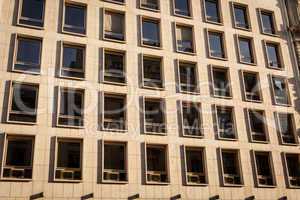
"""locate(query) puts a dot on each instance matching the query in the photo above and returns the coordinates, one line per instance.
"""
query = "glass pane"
(216, 45)
(230, 164)
(212, 11)
(69, 155)
(71, 103)
(273, 57)
(151, 33)
(75, 18)
(182, 7)
(24, 98)
(241, 19)
(156, 159)
(267, 23)
(190, 115)
(151, 4)
(245, 50)
(114, 108)
(280, 90)
(153, 112)
(194, 161)
(257, 121)
(221, 84)
(114, 156)
(184, 36)
(152, 72)
(73, 57)
(33, 9)
(28, 51)
(19, 153)
(293, 164)
(263, 164)
(250, 82)
(225, 123)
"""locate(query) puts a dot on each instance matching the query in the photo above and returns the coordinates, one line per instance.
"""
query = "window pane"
(156, 159)
(32, 12)
(114, 25)
(154, 116)
(286, 127)
(221, 83)
(69, 155)
(245, 47)
(19, 153)
(114, 156)
(151, 4)
(191, 119)
(230, 163)
(212, 11)
(280, 89)
(151, 33)
(273, 56)
(225, 123)
(114, 67)
(114, 112)
(184, 36)
(28, 55)
(188, 80)
(194, 161)
(257, 125)
(73, 57)
(263, 164)
(75, 18)
(251, 86)
(241, 19)
(267, 23)
(152, 72)
(182, 7)
(24, 98)
(71, 103)
(293, 164)
(216, 45)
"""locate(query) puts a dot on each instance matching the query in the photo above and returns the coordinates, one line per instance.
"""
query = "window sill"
(113, 182)
(152, 47)
(266, 186)
(157, 183)
(243, 29)
(155, 133)
(114, 83)
(149, 9)
(25, 72)
(183, 16)
(187, 92)
(193, 136)
(114, 130)
(260, 142)
(213, 22)
(187, 53)
(275, 68)
(253, 101)
(16, 180)
(196, 184)
(284, 105)
(30, 26)
(290, 144)
(67, 181)
(71, 78)
(153, 88)
(247, 63)
(69, 126)
(21, 123)
(218, 58)
(228, 139)
(270, 34)
(115, 2)
(73, 33)
(222, 97)
(233, 185)
(114, 40)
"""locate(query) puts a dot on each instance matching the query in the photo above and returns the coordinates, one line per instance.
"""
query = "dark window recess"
(114, 67)
(246, 50)
(152, 68)
(71, 108)
(267, 21)
(114, 162)
(185, 39)
(216, 45)
(75, 19)
(257, 125)
(273, 55)
(19, 156)
(24, 101)
(114, 112)
(191, 119)
(212, 11)
(28, 56)
(195, 168)
(182, 7)
(156, 164)
(221, 82)
(73, 62)
(188, 77)
(280, 91)
(286, 128)
(293, 168)
(150, 4)
(231, 168)
(264, 169)
(154, 116)
(241, 17)
(69, 158)
(252, 87)
(114, 26)
(226, 126)
(150, 32)
(32, 13)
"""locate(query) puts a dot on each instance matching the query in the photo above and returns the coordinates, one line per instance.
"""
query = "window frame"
(260, 12)
(226, 107)
(114, 52)
(266, 130)
(201, 150)
(273, 175)
(221, 23)
(197, 90)
(167, 161)
(177, 24)
(200, 120)
(238, 157)
(114, 143)
(118, 96)
(10, 102)
(158, 21)
(243, 72)
(279, 55)
(150, 9)
(75, 4)
(227, 70)
(223, 40)
(287, 91)
(81, 168)
(190, 16)
(288, 177)
(82, 117)
(116, 2)
(279, 131)
(162, 102)
(162, 69)
(252, 49)
(14, 137)
(120, 12)
(246, 7)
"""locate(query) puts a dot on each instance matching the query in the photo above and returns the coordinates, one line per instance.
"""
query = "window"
(182, 8)
(225, 123)
(24, 61)
(252, 91)
(267, 20)
(114, 67)
(68, 160)
(257, 125)
(195, 167)
(273, 55)
(216, 45)
(188, 77)
(231, 167)
(23, 103)
(185, 39)
(292, 161)
(114, 25)
(73, 61)
(116, 1)
(191, 119)
(150, 32)
(246, 50)
(154, 116)
(221, 82)
(70, 108)
(212, 11)
(18, 158)
(280, 91)
(264, 169)
(150, 4)
(75, 18)
(286, 128)
(241, 16)
(114, 112)
(156, 164)
(152, 72)
(115, 162)
(31, 13)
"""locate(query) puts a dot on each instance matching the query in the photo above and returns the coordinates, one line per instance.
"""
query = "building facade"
(148, 99)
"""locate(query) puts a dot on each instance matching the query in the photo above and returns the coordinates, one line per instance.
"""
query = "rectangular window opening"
(221, 82)
(212, 11)
(231, 167)
(246, 50)
(114, 25)
(252, 87)
(75, 18)
(151, 32)
(32, 13)
(152, 72)
(191, 119)
(257, 125)
(264, 169)
(154, 112)
(150, 4)
(188, 77)
(241, 16)
(216, 45)
(280, 91)
(182, 8)
(293, 169)
(225, 123)
(287, 128)
(114, 67)
(185, 39)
